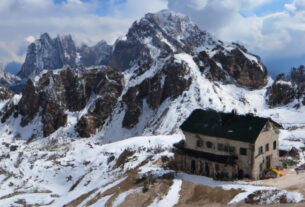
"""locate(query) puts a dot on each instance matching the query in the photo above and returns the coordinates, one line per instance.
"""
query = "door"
(207, 169)
(193, 166)
(268, 162)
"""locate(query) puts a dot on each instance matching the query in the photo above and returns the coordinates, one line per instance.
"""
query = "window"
(209, 144)
(231, 150)
(267, 147)
(260, 150)
(220, 147)
(216, 167)
(199, 143)
(274, 145)
(243, 151)
(226, 148)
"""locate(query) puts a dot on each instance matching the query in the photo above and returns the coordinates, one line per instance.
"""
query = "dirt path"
(291, 182)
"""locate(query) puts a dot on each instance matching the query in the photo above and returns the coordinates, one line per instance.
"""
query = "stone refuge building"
(227, 146)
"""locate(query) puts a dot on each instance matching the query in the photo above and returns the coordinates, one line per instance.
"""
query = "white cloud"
(30, 39)
(27, 19)
(275, 35)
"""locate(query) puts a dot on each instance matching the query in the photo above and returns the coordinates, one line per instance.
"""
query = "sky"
(272, 29)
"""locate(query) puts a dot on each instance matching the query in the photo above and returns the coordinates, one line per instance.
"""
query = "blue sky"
(272, 29)
(271, 7)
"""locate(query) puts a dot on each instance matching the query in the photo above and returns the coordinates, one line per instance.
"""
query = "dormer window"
(260, 150)
(209, 145)
(199, 143)
(274, 145)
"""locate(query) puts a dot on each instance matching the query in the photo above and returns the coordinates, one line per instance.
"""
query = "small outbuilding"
(227, 145)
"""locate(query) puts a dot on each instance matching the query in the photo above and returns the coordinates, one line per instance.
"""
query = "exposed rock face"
(87, 125)
(108, 87)
(57, 92)
(281, 92)
(157, 36)
(48, 53)
(96, 55)
(53, 117)
(155, 91)
(227, 65)
(29, 104)
(286, 89)
(5, 93)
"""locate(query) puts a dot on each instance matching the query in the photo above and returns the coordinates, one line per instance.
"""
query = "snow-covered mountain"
(164, 68)
(153, 78)
(50, 54)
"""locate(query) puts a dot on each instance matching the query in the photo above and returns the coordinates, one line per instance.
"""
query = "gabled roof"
(245, 128)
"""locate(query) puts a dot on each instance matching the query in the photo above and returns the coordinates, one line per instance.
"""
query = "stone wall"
(252, 165)
(267, 136)
(204, 167)
(244, 162)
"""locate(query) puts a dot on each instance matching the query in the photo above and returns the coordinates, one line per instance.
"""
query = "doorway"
(193, 166)
(240, 174)
(207, 169)
(268, 162)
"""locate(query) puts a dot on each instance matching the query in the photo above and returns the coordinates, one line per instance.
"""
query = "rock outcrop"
(55, 93)
(154, 91)
(95, 55)
(5, 93)
(47, 53)
(281, 92)
(288, 88)
(235, 65)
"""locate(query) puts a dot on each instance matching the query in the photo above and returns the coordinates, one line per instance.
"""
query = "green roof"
(245, 128)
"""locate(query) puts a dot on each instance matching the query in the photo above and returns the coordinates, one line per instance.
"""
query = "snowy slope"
(83, 172)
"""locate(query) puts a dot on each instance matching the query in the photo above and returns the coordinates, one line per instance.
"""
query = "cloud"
(273, 36)
(30, 39)
(25, 20)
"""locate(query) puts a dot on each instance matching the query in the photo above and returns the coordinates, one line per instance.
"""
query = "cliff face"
(47, 53)
(288, 89)
(67, 90)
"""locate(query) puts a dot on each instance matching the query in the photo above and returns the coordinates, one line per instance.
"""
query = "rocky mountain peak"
(47, 53)
(50, 54)
(45, 37)
(95, 55)
(171, 27)
(158, 36)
